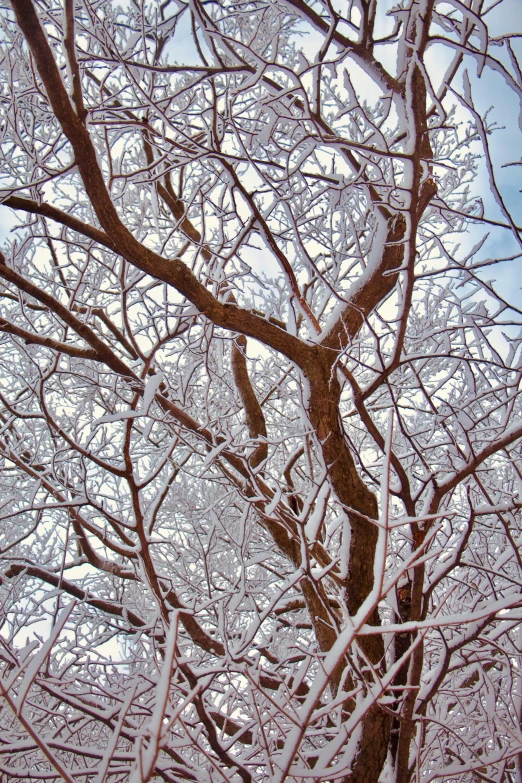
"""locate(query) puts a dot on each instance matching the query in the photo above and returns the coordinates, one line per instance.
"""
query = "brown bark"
(253, 411)
(353, 493)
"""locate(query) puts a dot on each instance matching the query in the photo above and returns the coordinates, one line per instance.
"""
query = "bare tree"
(259, 405)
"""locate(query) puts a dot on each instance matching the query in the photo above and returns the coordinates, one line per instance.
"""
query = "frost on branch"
(260, 419)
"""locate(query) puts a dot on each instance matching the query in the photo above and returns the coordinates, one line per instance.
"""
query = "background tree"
(259, 406)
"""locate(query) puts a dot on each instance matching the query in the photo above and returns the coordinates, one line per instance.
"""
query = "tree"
(259, 407)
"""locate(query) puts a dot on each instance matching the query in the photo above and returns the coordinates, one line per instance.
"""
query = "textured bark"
(253, 411)
(373, 287)
(354, 494)
(373, 747)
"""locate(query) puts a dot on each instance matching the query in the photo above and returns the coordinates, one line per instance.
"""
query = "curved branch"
(171, 271)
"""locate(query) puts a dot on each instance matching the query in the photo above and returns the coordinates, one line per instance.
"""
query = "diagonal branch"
(511, 435)
(47, 342)
(171, 271)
